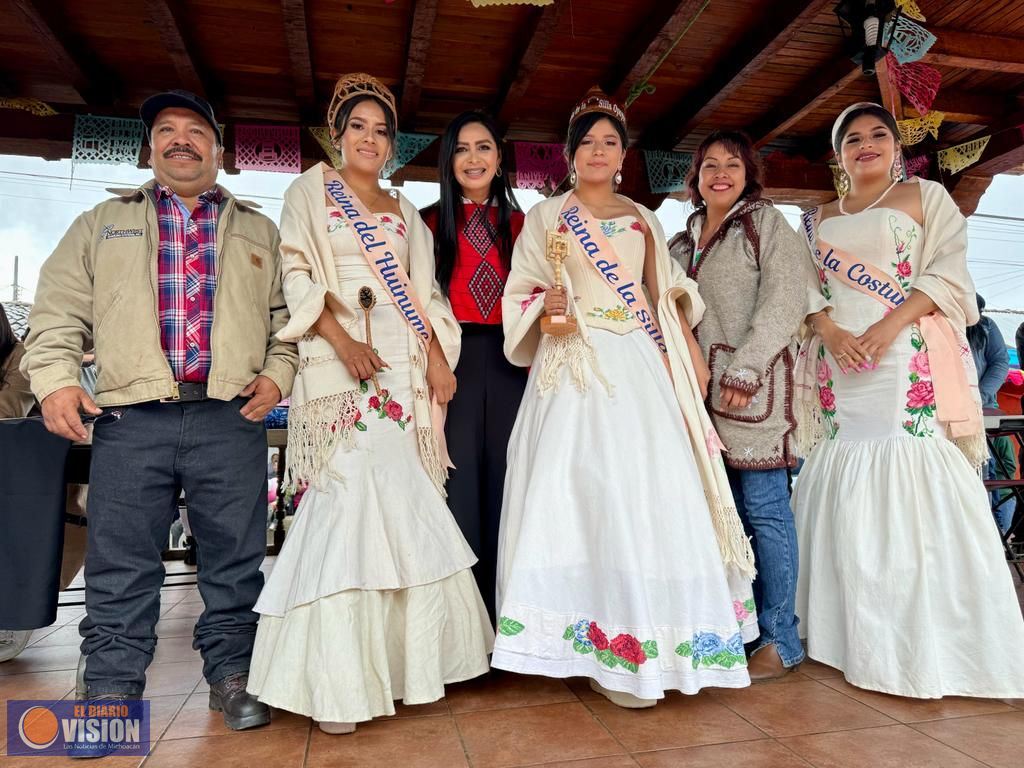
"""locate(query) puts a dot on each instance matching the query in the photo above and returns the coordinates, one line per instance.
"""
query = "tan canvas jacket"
(99, 289)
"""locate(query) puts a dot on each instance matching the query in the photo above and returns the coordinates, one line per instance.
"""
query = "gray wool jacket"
(752, 276)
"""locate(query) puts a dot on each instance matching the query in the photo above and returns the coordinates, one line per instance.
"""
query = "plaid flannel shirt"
(187, 278)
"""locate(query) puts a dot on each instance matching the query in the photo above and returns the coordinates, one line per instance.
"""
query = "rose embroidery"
(919, 364)
(920, 394)
(828, 398)
(742, 610)
(623, 650)
(628, 647)
(386, 408)
(637, 226)
(824, 372)
(901, 241)
(394, 410)
(826, 395)
(708, 649)
(597, 636)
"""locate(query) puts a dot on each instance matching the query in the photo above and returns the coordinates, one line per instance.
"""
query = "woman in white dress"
(903, 582)
(372, 598)
(621, 557)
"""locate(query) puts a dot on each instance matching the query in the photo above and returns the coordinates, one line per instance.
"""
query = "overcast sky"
(39, 200)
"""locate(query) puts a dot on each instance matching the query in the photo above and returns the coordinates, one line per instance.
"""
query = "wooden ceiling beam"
(168, 24)
(821, 86)
(645, 48)
(542, 25)
(79, 67)
(420, 34)
(752, 53)
(972, 50)
(978, 107)
(300, 57)
(1005, 150)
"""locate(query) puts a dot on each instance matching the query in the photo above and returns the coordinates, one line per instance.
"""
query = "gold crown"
(597, 100)
(358, 84)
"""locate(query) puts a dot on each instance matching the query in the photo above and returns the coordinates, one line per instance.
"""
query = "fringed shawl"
(324, 397)
(523, 305)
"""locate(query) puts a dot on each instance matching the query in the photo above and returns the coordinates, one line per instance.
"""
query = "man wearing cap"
(177, 284)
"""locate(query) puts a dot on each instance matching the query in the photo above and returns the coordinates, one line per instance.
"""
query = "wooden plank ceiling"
(776, 68)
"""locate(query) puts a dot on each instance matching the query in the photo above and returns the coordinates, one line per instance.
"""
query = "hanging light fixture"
(868, 27)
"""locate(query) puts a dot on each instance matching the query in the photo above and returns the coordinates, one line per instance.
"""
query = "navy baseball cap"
(155, 104)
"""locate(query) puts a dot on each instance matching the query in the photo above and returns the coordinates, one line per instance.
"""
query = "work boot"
(90, 751)
(241, 709)
(766, 664)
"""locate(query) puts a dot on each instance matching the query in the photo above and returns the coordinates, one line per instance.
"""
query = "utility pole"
(16, 287)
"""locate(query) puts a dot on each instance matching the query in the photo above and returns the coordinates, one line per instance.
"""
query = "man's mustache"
(179, 150)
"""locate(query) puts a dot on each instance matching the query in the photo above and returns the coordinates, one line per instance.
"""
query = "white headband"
(842, 116)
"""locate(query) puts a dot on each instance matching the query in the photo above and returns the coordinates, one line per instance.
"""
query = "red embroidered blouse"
(478, 279)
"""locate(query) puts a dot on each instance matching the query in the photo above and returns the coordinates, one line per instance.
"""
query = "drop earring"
(897, 168)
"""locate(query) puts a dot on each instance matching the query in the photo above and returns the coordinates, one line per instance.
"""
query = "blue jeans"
(139, 462)
(762, 499)
(1003, 502)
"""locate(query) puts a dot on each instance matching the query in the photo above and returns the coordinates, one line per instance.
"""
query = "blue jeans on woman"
(762, 500)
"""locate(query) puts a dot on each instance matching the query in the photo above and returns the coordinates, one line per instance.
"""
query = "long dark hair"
(740, 145)
(7, 338)
(449, 206)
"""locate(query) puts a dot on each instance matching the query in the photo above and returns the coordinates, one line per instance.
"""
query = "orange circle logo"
(38, 727)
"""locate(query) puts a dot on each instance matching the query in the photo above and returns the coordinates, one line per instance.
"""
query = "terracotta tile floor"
(812, 718)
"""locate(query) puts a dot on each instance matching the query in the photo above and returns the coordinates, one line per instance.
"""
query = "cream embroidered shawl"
(523, 305)
(323, 401)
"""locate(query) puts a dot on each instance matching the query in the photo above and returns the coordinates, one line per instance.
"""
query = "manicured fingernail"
(843, 369)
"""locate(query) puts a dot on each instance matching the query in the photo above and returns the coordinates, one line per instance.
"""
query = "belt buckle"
(175, 395)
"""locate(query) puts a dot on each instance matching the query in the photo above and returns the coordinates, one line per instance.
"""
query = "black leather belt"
(187, 392)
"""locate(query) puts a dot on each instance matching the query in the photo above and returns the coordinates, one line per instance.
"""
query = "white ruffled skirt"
(608, 563)
(371, 598)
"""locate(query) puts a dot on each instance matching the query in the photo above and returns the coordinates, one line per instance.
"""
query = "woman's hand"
(731, 398)
(555, 301)
(441, 380)
(877, 339)
(846, 349)
(360, 360)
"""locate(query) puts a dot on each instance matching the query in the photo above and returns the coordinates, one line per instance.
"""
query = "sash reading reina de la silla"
(601, 256)
(380, 255)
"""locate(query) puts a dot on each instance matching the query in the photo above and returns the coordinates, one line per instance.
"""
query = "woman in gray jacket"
(751, 268)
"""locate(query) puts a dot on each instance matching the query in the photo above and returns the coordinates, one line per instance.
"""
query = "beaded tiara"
(597, 100)
(358, 84)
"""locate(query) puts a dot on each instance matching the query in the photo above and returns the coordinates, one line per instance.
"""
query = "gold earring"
(843, 185)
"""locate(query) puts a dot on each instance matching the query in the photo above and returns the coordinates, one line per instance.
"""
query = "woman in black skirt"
(475, 225)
